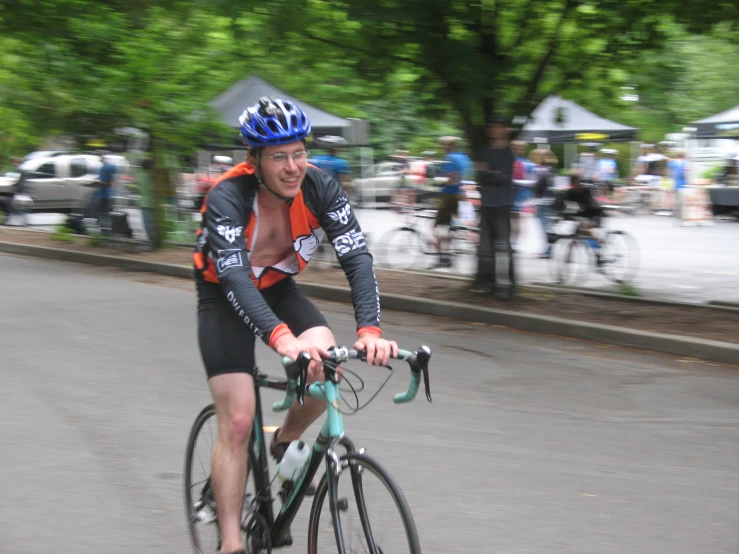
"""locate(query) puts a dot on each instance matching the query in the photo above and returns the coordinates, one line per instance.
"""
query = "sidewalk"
(686, 264)
(445, 296)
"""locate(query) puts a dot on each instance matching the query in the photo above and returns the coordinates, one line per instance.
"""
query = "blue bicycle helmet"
(271, 122)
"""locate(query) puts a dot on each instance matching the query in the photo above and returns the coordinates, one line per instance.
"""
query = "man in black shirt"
(495, 177)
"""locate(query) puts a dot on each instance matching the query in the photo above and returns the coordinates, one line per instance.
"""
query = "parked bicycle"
(412, 245)
(341, 495)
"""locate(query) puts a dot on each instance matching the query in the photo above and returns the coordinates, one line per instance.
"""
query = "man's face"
(496, 131)
(280, 171)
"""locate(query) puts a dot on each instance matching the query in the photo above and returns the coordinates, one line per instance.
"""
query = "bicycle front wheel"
(372, 515)
(620, 256)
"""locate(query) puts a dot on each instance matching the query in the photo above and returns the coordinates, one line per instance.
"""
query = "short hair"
(496, 121)
(549, 157)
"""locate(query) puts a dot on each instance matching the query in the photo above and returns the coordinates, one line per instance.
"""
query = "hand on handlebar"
(289, 345)
(379, 350)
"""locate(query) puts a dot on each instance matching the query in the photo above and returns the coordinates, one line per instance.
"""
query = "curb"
(710, 305)
(677, 345)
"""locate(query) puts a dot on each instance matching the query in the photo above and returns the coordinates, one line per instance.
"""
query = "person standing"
(495, 177)
(546, 162)
(456, 167)
(678, 172)
(333, 164)
(145, 182)
(101, 198)
(522, 182)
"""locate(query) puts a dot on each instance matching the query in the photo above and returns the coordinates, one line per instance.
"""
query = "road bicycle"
(576, 252)
(346, 494)
(412, 245)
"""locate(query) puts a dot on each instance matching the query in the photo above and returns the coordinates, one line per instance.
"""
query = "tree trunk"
(160, 176)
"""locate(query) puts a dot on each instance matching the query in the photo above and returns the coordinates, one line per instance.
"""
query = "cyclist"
(587, 209)
(262, 222)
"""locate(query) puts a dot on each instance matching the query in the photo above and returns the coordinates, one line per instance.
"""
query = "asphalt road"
(532, 444)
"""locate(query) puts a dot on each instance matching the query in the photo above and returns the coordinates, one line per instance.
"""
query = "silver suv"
(60, 183)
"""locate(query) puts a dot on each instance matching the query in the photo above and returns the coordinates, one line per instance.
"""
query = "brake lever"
(301, 363)
(303, 378)
(423, 355)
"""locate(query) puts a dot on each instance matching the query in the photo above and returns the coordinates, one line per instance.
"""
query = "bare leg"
(233, 394)
(300, 417)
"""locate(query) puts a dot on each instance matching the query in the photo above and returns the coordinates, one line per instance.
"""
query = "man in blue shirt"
(607, 168)
(332, 164)
(678, 171)
(103, 192)
(456, 167)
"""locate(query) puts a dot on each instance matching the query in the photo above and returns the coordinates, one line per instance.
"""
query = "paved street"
(533, 443)
(692, 264)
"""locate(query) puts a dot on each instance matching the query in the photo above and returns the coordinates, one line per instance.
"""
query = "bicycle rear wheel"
(373, 515)
(402, 248)
(200, 505)
(619, 256)
(570, 261)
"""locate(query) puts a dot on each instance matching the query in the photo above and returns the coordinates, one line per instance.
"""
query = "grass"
(94, 240)
(62, 233)
(627, 289)
(180, 230)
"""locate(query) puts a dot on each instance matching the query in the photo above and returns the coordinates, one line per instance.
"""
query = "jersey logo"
(353, 240)
(229, 233)
(341, 215)
(306, 245)
(229, 258)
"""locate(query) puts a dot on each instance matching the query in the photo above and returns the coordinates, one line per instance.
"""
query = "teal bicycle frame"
(331, 434)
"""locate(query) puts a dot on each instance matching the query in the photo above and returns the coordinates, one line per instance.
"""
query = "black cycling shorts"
(226, 344)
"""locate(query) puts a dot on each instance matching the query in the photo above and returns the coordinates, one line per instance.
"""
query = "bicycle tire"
(402, 248)
(190, 511)
(460, 243)
(628, 251)
(190, 487)
(571, 261)
(358, 464)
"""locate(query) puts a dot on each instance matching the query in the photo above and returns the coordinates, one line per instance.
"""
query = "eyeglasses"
(281, 158)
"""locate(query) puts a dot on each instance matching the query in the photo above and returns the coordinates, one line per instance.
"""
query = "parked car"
(378, 184)
(60, 183)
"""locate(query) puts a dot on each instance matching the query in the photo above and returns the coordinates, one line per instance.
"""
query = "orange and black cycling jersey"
(230, 224)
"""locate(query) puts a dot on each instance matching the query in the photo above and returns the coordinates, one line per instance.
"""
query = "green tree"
(104, 69)
(480, 57)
